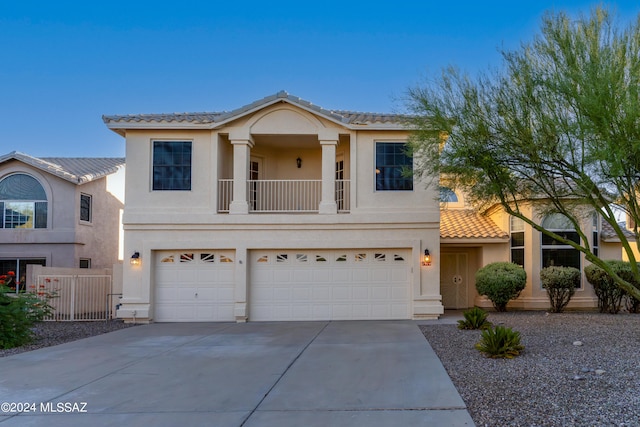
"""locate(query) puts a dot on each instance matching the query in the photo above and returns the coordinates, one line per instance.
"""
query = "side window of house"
(85, 263)
(23, 202)
(554, 252)
(596, 234)
(393, 167)
(85, 207)
(171, 165)
(516, 227)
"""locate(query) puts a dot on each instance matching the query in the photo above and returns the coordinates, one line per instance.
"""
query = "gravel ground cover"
(577, 369)
(54, 333)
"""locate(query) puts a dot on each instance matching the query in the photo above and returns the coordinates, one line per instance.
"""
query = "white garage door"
(194, 286)
(330, 285)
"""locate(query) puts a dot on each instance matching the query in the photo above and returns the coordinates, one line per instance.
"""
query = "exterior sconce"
(135, 258)
(426, 259)
(299, 162)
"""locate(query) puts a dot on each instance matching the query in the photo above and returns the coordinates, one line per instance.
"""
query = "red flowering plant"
(19, 311)
(9, 280)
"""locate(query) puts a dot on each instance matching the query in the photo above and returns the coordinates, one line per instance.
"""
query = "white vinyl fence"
(77, 297)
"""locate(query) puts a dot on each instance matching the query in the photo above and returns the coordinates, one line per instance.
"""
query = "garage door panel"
(360, 293)
(320, 274)
(399, 275)
(340, 275)
(304, 276)
(360, 276)
(321, 293)
(342, 294)
(329, 285)
(282, 275)
(300, 293)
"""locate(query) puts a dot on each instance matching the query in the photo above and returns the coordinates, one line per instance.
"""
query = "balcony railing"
(284, 196)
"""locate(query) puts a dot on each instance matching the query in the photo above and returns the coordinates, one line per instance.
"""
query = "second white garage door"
(330, 285)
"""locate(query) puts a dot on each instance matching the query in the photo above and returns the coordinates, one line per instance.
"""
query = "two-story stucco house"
(278, 210)
(59, 212)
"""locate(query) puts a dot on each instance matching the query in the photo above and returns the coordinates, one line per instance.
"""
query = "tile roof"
(468, 224)
(78, 170)
(607, 234)
(342, 116)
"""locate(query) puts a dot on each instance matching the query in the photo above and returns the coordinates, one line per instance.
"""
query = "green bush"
(474, 318)
(610, 296)
(19, 312)
(561, 284)
(501, 282)
(500, 342)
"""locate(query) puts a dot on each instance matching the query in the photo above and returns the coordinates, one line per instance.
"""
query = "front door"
(454, 280)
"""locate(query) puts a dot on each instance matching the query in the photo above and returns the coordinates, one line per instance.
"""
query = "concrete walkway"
(375, 373)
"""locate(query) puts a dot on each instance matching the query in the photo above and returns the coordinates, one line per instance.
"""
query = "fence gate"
(77, 297)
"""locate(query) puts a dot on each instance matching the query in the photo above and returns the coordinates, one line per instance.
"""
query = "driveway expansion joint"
(295, 359)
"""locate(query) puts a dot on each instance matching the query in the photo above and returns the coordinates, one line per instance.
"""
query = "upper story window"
(171, 165)
(393, 167)
(85, 207)
(23, 202)
(516, 228)
(555, 253)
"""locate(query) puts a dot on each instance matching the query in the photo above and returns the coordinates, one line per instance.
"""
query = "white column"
(328, 203)
(241, 155)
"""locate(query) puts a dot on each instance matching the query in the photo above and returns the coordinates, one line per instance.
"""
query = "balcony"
(284, 196)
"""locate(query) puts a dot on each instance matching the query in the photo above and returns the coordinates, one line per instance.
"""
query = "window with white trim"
(554, 252)
(393, 167)
(516, 228)
(171, 165)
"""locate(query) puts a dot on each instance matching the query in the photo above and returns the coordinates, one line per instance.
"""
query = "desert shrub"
(561, 284)
(500, 342)
(18, 313)
(610, 296)
(632, 304)
(474, 318)
(501, 282)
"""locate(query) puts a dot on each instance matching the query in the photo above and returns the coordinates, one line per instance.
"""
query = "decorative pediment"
(284, 120)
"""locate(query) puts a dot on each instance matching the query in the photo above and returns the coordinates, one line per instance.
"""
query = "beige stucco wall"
(101, 236)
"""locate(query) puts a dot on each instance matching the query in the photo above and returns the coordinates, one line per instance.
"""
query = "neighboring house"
(471, 238)
(59, 212)
(278, 210)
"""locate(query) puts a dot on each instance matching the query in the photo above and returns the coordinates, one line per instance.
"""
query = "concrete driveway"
(374, 373)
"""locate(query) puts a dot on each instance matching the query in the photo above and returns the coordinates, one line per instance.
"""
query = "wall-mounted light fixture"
(426, 258)
(135, 258)
(299, 162)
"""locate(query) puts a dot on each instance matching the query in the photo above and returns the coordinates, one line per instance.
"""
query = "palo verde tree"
(558, 123)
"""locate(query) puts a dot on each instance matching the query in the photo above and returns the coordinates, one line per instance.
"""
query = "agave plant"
(474, 318)
(500, 342)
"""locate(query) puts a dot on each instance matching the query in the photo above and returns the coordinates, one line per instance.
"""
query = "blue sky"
(64, 64)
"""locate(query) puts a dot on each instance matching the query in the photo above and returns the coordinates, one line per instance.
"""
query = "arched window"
(23, 202)
(447, 195)
(555, 253)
